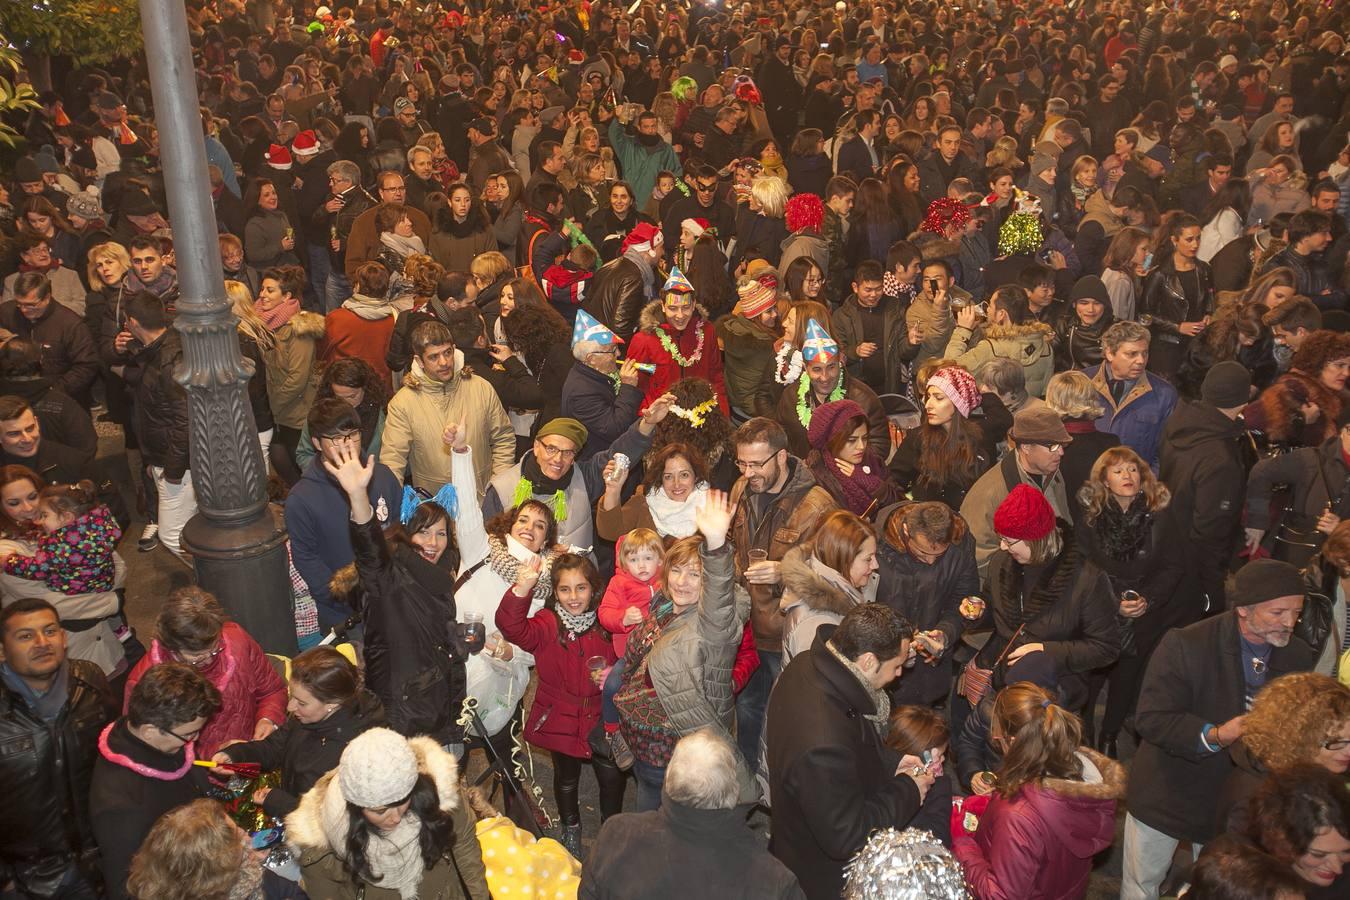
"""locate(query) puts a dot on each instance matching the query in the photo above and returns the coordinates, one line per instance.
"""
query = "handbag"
(1297, 546)
(974, 682)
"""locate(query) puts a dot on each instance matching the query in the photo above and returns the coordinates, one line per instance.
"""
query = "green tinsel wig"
(1020, 234)
(684, 88)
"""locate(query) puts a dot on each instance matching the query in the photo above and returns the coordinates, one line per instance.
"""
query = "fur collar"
(418, 380)
(1103, 779)
(320, 821)
(809, 582)
(652, 317)
(1055, 585)
(306, 324)
(1019, 332)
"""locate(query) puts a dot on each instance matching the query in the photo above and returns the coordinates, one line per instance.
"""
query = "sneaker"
(149, 538)
(618, 750)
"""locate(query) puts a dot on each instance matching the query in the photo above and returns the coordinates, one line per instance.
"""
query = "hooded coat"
(813, 595)
(646, 347)
(292, 376)
(318, 828)
(305, 752)
(1039, 844)
(418, 414)
(747, 351)
(1030, 345)
(360, 329)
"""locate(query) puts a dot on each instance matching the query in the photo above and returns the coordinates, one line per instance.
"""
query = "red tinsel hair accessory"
(944, 212)
(746, 90)
(804, 211)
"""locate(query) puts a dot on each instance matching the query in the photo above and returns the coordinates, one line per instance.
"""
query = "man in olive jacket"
(832, 781)
(778, 505)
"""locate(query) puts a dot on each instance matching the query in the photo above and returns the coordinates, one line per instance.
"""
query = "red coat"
(566, 702)
(1039, 845)
(622, 592)
(250, 689)
(646, 347)
(347, 335)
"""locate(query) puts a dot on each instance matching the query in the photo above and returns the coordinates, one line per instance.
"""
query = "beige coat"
(292, 376)
(417, 416)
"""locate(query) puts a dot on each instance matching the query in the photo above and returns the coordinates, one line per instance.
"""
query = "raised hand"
(348, 471)
(628, 372)
(527, 576)
(659, 409)
(455, 436)
(714, 519)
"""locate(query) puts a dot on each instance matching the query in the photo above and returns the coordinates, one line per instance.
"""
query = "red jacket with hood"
(645, 346)
(1039, 845)
(625, 591)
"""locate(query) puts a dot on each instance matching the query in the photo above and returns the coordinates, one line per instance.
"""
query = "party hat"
(677, 282)
(818, 345)
(588, 329)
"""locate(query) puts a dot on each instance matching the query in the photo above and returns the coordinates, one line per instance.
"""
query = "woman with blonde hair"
(255, 342)
(195, 852)
(491, 272)
(1269, 290)
(1003, 153)
(1122, 531)
(1297, 719)
(1053, 809)
(760, 229)
(1074, 399)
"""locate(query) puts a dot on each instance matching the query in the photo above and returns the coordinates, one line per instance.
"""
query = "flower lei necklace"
(787, 364)
(669, 346)
(804, 385)
(696, 416)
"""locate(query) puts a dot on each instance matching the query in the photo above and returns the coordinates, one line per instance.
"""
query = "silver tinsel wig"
(904, 865)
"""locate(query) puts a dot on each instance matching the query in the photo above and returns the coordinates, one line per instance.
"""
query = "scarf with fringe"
(505, 556)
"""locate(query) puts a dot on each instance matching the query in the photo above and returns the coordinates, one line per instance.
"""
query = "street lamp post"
(236, 541)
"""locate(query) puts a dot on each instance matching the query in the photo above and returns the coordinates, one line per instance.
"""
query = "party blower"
(244, 770)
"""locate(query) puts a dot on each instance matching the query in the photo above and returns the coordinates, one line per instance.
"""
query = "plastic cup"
(757, 556)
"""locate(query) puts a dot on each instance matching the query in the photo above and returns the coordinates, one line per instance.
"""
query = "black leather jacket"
(45, 772)
(1079, 346)
(1166, 300)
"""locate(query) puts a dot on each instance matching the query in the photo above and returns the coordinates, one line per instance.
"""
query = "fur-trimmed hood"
(418, 380)
(1080, 811)
(652, 317)
(935, 246)
(1028, 332)
(306, 324)
(320, 821)
(1103, 779)
(808, 582)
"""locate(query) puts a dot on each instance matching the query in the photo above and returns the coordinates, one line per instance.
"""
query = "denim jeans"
(613, 681)
(751, 704)
(337, 290)
(650, 779)
(316, 289)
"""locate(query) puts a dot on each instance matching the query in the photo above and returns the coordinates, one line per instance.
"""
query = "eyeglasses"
(1053, 448)
(1009, 543)
(201, 659)
(186, 739)
(553, 452)
(754, 465)
(345, 437)
(1335, 744)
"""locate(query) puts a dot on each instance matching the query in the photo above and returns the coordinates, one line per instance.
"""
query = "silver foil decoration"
(904, 865)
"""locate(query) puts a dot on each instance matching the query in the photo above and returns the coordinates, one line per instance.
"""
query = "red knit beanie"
(1024, 515)
(828, 418)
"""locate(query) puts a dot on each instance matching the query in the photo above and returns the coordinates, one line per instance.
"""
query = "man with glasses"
(703, 202)
(439, 391)
(599, 392)
(334, 220)
(363, 243)
(54, 708)
(144, 767)
(1038, 439)
(68, 354)
(1198, 685)
(316, 508)
(778, 505)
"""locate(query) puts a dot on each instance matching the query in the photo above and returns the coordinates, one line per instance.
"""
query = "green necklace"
(803, 385)
(618, 385)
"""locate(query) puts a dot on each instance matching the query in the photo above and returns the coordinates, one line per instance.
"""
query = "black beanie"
(1227, 385)
(1264, 579)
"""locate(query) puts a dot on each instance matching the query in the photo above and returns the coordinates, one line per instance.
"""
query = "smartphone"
(1148, 260)
(825, 46)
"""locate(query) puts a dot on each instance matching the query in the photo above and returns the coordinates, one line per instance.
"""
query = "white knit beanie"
(378, 768)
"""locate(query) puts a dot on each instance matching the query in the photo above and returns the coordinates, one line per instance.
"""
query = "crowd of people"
(918, 430)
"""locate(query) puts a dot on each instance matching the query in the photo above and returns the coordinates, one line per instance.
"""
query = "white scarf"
(372, 309)
(403, 246)
(676, 517)
(394, 856)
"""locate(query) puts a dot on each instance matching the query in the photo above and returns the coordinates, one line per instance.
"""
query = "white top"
(1218, 232)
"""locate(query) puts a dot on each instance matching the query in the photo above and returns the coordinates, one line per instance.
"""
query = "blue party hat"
(588, 329)
(818, 345)
(677, 282)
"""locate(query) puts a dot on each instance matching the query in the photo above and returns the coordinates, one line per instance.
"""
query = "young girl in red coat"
(565, 637)
(675, 336)
(1053, 809)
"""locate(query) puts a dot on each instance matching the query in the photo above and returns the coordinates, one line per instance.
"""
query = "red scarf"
(280, 314)
(50, 267)
(862, 487)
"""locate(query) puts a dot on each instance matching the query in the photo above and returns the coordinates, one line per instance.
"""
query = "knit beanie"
(1262, 580)
(756, 297)
(1024, 515)
(959, 387)
(1227, 385)
(564, 427)
(1090, 287)
(829, 418)
(378, 768)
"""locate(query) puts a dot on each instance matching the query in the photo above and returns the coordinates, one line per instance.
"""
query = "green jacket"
(641, 164)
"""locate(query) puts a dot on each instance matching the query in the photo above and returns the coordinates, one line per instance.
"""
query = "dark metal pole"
(237, 544)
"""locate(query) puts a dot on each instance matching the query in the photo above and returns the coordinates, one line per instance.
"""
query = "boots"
(1107, 744)
(571, 839)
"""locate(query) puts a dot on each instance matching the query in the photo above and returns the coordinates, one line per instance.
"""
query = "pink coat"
(250, 689)
(566, 702)
(624, 591)
(1039, 845)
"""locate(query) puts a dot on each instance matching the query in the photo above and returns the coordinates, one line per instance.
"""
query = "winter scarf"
(675, 518)
(394, 857)
(505, 556)
(47, 705)
(49, 267)
(881, 718)
(372, 309)
(403, 246)
(863, 485)
(166, 282)
(639, 258)
(576, 625)
(280, 314)
(534, 481)
(1123, 532)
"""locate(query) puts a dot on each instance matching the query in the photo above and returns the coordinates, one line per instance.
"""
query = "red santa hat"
(696, 227)
(278, 157)
(306, 143)
(642, 238)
